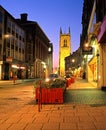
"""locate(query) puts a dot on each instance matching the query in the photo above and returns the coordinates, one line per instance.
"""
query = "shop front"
(19, 70)
(13, 67)
(102, 42)
(93, 69)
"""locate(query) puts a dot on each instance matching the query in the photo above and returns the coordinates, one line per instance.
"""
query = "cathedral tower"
(64, 50)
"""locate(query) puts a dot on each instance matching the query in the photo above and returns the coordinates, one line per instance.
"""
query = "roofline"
(11, 17)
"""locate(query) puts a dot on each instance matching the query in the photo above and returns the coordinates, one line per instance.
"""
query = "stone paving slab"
(34, 126)
(55, 117)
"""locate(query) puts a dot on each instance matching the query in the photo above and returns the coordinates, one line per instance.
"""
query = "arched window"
(65, 43)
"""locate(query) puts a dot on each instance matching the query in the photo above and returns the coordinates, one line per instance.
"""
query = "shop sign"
(18, 67)
(87, 50)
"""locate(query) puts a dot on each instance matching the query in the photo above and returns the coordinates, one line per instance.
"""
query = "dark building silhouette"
(87, 9)
(37, 47)
(25, 50)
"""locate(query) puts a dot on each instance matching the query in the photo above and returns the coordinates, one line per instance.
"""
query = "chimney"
(24, 17)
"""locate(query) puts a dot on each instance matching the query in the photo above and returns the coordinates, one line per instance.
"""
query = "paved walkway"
(83, 84)
(55, 117)
(10, 82)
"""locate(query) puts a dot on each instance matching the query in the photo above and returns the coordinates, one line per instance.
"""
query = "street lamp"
(86, 45)
(73, 60)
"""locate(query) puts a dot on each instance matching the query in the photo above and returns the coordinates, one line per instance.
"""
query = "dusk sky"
(51, 15)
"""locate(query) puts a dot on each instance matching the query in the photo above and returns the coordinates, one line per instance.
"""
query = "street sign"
(87, 50)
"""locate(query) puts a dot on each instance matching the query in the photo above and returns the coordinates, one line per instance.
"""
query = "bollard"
(39, 97)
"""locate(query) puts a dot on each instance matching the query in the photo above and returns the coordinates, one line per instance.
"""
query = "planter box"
(50, 95)
(68, 83)
(72, 80)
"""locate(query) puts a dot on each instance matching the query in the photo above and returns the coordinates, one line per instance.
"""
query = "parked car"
(52, 76)
(67, 76)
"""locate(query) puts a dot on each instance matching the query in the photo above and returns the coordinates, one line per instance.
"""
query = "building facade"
(101, 17)
(95, 39)
(12, 47)
(25, 50)
(89, 48)
(38, 50)
(64, 50)
(73, 64)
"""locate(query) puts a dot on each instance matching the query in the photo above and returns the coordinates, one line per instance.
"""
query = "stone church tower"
(64, 50)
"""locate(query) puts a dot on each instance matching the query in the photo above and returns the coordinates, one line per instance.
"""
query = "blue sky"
(51, 15)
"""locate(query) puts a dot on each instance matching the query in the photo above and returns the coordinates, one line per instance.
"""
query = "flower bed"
(51, 92)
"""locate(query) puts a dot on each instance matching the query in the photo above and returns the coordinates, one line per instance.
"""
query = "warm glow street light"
(86, 45)
(73, 60)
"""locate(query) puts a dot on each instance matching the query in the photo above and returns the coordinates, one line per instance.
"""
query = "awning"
(102, 34)
(18, 64)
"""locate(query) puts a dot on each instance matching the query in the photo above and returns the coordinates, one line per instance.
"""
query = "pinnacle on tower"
(69, 30)
(60, 30)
